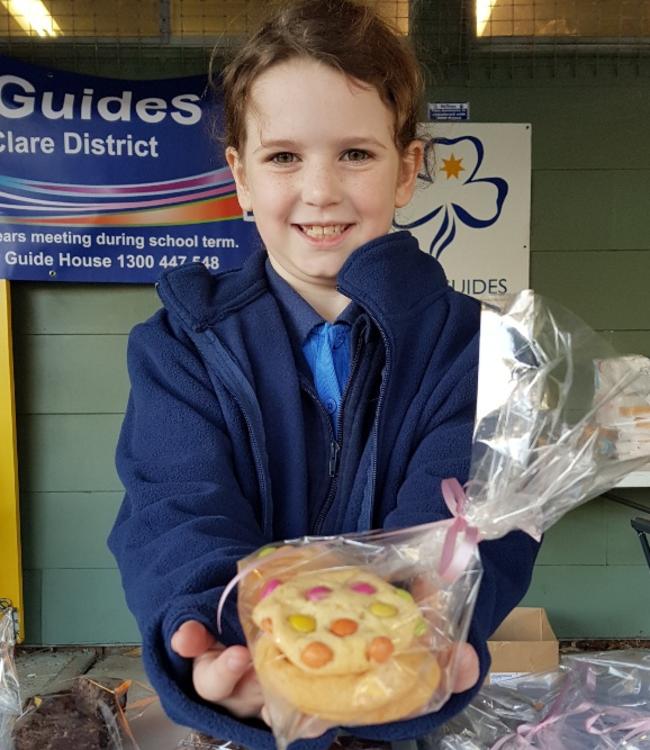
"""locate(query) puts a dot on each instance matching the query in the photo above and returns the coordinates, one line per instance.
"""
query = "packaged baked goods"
(9, 689)
(629, 417)
(362, 628)
(351, 629)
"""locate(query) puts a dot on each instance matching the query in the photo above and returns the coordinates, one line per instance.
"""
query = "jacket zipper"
(365, 521)
(333, 465)
(335, 447)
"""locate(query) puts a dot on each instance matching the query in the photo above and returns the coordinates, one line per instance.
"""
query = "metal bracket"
(642, 528)
(640, 524)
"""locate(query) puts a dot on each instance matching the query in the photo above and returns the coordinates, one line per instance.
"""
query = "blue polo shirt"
(326, 346)
(339, 366)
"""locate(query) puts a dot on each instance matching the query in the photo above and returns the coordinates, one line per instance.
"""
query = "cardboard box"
(524, 642)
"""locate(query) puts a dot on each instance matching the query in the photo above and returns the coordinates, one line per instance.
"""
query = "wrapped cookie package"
(361, 629)
(355, 629)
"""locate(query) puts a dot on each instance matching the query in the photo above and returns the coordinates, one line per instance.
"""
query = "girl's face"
(319, 169)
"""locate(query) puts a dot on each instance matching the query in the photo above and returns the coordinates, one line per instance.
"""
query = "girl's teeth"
(319, 231)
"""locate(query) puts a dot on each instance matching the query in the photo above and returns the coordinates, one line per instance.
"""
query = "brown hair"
(342, 34)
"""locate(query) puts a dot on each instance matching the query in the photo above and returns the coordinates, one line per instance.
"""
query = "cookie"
(394, 690)
(341, 621)
(341, 643)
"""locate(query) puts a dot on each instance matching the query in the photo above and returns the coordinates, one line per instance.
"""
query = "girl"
(326, 387)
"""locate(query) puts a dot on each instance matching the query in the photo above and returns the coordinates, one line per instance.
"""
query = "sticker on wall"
(471, 208)
(448, 111)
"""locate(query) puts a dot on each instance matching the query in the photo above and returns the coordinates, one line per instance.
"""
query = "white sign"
(473, 212)
(448, 111)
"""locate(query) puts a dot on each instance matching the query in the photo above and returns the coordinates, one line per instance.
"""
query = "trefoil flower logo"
(462, 195)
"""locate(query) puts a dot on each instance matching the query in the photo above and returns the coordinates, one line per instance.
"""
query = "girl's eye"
(283, 158)
(356, 154)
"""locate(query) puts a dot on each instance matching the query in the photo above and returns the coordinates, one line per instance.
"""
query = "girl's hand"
(220, 675)
(467, 668)
(467, 664)
(226, 675)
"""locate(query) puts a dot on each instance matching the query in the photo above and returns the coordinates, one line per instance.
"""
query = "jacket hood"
(374, 276)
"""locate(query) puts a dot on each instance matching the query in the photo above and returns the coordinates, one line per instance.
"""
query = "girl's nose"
(320, 186)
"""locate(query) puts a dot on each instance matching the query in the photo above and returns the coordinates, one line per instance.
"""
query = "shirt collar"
(299, 314)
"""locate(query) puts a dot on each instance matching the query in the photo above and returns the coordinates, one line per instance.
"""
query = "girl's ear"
(410, 163)
(238, 172)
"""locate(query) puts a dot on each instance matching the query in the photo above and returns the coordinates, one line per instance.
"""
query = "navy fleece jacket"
(213, 457)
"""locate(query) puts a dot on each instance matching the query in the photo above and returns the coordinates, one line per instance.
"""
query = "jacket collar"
(388, 276)
(391, 277)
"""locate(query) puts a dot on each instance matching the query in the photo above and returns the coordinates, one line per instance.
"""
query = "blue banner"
(106, 180)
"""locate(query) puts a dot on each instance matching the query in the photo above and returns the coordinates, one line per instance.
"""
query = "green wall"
(71, 389)
(590, 250)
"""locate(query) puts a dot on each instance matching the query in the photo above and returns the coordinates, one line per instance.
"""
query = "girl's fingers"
(216, 675)
(227, 677)
(192, 639)
(467, 668)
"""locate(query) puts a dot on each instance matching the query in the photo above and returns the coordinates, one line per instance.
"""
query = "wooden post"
(11, 586)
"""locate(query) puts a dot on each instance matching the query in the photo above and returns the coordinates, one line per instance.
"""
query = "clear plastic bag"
(595, 701)
(560, 417)
(389, 612)
(9, 689)
(361, 629)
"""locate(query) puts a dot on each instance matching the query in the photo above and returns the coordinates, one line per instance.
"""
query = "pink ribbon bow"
(461, 539)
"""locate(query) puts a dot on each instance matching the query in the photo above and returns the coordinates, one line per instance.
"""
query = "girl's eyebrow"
(288, 145)
(360, 140)
(348, 142)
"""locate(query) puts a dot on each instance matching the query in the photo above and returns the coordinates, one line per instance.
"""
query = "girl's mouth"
(323, 231)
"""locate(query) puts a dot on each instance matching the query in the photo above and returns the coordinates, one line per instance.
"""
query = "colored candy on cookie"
(316, 655)
(361, 587)
(343, 627)
(380, 649)
(269, 586)
(381, 609)
(317, 593)
(302, 623)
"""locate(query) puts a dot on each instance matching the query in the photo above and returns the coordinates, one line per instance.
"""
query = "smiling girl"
(325, 387)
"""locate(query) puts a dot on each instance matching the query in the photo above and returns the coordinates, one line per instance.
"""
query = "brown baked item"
(71, 720)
